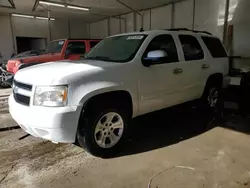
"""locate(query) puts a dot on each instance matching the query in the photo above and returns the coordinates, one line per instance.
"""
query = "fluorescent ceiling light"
(41, 18)
(52, 4)
(78, 8)
(23, 16)
(44, 18)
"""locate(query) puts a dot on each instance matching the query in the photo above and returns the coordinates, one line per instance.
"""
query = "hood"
(49, 73)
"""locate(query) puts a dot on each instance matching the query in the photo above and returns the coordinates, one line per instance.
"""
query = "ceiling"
(99, 9)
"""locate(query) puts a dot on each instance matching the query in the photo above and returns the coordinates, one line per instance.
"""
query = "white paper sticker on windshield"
(61, 42)
(135, 37)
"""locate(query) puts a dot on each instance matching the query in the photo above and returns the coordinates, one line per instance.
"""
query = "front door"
(159, 83)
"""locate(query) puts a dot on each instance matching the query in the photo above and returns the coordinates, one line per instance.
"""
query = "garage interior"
(176, 147)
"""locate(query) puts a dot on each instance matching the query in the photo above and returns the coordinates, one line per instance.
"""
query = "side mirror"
(155, 57)
(67, 53)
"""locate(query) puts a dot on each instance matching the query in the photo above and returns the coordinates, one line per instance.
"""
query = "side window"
(93, 43)
(76, 47)
(165, 43)
(191, 48)
(215, 47)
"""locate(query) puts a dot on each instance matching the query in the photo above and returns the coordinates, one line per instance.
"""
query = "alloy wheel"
(109, 130)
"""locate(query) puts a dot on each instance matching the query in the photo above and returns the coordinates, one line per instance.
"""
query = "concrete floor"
(178, 148)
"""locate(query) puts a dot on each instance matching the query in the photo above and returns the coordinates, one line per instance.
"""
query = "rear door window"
(191, 48)
(76, 47)
(215, 47)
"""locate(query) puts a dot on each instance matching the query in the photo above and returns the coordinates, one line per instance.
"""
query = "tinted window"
(76, 47)
(93, 43)
(191, 48)
(165, 43)
(215, 47)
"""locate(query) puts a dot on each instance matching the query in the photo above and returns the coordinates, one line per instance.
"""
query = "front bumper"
(58, 124)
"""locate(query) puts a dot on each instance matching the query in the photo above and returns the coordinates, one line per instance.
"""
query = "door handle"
(177, 71)
(205, 66)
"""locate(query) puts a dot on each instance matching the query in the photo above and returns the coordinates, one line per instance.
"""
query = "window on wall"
(215, 47)
(191, 48)
(76, 47)
(165, 43)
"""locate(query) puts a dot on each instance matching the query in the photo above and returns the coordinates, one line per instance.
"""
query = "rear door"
(192, 60)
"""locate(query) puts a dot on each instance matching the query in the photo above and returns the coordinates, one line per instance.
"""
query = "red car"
(57, 50)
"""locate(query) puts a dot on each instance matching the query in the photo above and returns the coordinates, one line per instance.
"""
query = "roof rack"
(185, 29)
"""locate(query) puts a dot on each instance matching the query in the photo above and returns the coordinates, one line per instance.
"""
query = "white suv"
(92, 101)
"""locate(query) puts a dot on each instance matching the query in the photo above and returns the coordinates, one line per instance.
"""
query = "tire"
(211, 95)
(95, 120)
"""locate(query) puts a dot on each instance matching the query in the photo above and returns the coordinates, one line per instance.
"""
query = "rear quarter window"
(215, 47)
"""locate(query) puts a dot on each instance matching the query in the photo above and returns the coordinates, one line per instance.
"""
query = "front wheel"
(102, 132)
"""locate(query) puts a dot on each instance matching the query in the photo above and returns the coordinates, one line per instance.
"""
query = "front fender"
(87, 91)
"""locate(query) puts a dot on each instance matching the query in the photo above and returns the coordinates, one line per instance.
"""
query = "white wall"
(240, 19)
(79, 29)
(114, 26)
(26, 27)
(59, 29)
(146, 20)
(183, 14)
(161, 17)
(158, 18)
(209, 16)
(6, 42)
(99, 30)
(129, 22)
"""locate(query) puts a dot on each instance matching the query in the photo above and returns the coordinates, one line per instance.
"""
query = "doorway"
(30, 43)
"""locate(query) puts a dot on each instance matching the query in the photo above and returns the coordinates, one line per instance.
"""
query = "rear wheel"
(211, 95)
(101, 132)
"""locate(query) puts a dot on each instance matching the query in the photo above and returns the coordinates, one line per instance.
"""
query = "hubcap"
(109, 130)
(213, 97)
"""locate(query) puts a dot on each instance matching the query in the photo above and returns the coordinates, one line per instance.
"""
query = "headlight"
(54, 96)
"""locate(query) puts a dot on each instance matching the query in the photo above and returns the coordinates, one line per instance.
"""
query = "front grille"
(20, 98)
(22, 85)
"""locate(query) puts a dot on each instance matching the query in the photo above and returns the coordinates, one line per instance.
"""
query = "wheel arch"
(107, 94)
(216, 78)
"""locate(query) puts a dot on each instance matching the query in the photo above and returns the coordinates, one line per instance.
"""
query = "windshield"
(117, 49)
(55, 46)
